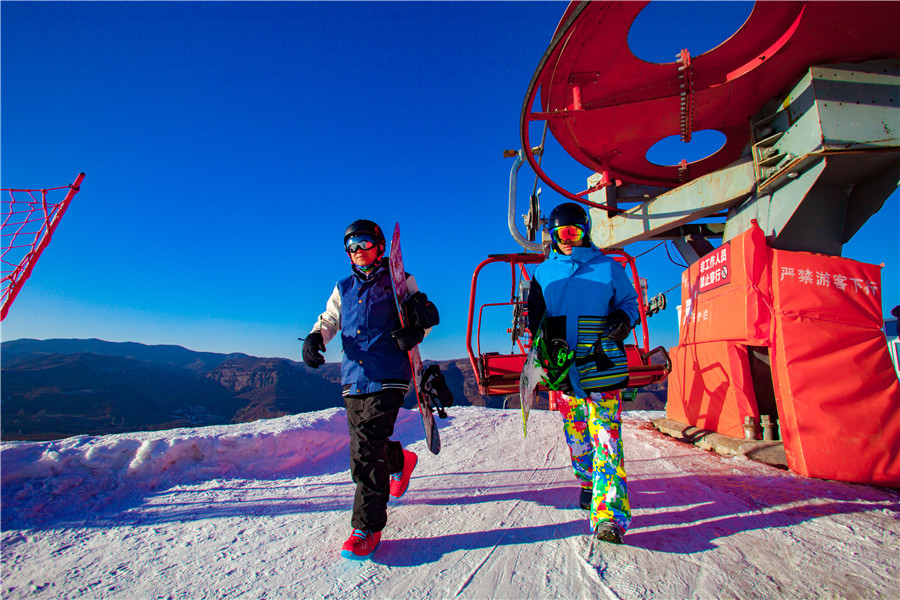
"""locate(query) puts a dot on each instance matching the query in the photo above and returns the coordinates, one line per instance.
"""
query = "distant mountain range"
(63, 387)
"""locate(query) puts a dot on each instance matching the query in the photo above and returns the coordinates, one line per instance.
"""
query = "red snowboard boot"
(400, 481)
(361, 545)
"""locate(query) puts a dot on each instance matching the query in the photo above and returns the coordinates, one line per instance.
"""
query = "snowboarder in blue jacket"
(583, 298)
(375, 376)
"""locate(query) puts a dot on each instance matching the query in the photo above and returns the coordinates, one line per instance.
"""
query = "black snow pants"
(373, 456)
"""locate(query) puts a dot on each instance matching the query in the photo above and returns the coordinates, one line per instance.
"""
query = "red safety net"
(29, 219)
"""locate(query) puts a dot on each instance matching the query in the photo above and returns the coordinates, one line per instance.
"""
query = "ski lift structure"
(807, 95)
(498, 373)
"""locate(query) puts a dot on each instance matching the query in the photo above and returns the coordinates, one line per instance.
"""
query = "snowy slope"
(259, 510)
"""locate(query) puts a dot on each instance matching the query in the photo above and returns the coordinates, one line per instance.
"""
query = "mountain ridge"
(58, 388)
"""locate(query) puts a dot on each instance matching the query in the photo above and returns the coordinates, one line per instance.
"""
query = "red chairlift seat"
(498, 373)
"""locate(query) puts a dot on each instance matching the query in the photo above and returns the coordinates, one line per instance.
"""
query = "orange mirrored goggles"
(567, 234)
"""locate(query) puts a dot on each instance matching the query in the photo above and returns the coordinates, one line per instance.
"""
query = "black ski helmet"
(570, 213)
(365, 227)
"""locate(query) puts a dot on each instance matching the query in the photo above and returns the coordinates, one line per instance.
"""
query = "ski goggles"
(359, 242)
(567, 234)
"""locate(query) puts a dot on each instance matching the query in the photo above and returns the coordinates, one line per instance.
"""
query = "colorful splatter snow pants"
(593, 428)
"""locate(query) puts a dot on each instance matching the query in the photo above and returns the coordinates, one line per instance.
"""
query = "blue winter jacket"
(363, 309)
(585, 283)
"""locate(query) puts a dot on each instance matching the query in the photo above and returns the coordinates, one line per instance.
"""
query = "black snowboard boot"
(609, 531)
(585, 498)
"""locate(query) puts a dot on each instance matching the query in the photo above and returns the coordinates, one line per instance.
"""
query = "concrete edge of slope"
(768, 452)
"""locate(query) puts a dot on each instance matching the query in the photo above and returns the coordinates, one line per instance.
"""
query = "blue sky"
(226, 147)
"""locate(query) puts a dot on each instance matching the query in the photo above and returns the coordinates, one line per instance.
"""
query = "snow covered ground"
(260, 510)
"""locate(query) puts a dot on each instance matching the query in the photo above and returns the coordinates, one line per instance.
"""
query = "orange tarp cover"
(710, 387)
(838, 395)
(725, 295)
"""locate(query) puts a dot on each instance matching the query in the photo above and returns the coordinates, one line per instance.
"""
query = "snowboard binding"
(556, 359)
(435, 386)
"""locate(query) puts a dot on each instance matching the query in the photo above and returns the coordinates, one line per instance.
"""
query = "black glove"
(421, 311)
(619, 325)
(313, 347)
(407, 337)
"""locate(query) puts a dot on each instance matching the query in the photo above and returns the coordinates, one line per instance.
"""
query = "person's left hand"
(619, 325)
(407, 337)
(313, 347)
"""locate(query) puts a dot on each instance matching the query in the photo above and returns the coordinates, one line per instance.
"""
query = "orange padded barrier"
(838, 396)
(710, 387)
(725, 295)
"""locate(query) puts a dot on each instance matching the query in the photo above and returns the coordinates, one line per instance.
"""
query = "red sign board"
(724, 295)
(715, 268)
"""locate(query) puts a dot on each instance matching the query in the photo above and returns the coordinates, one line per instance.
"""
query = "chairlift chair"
(498, 373)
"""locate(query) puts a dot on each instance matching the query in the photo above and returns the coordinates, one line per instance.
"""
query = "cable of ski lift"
(673, 260)
(637, 256)
(658, 302)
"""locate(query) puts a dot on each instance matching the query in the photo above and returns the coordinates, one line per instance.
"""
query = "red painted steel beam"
(16, 285)
(606, 107)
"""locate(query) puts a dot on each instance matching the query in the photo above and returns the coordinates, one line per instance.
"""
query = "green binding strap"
(556, 359)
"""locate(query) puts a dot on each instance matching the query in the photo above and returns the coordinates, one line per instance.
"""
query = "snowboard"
(401, 293)
(531, 376)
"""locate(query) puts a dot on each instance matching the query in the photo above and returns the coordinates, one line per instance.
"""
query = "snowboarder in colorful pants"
(582, 299)
(375, 375)
(592, 428)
